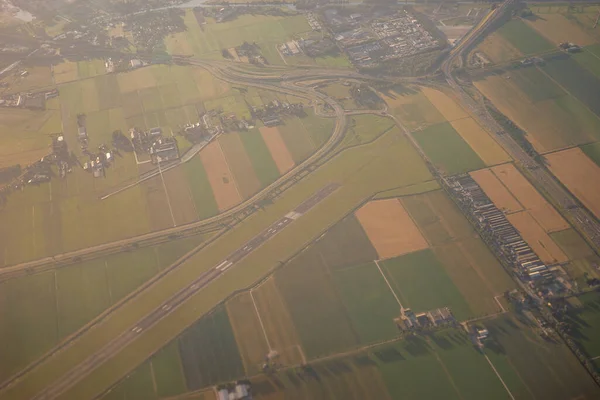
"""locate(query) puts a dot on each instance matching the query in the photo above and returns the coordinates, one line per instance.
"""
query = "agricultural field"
(511, 192)
(38, 77)
(551, 121)
(498, 49)
(579, 174)
(72, 296)
(525, 360)
(524, 38)
(226, 172)
(582, 259)
(68, 71)
(447, 150)
(584, 320)
(413, 108)
(593, 152)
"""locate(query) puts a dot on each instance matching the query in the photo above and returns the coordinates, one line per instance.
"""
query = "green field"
(577, 80)
(447, 150)
(422, 284)
(297, 137)
(370, 303)
(526, 361)
(582, 259)
(38, 311)
(209, 353)
(365, 128)
(524, 38)
(262, 161)
(536, 84)
(592, 150)
(590, 58)
(585, 323)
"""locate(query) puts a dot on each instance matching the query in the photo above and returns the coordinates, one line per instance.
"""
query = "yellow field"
(557, 29)
(390, 229)
(579, 174)
(496, 191)
(537, 238)
(445, 104)
(498, 49)
(480, 141)
(530, 198)
(141, 78)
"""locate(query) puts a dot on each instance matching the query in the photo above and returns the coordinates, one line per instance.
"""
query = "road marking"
(499, 377)
(229, 264)
(220, 265)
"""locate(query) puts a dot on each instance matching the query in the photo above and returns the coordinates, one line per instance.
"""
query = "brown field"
(545, 122)
(277, 148)
(220, 177)
(498, 49)
(278, 323)
(390, 229)
(480, 141)
(579, 174)
(531, 199)
(496, 191)
(240, 164)
(445, 104)
(248, 332)
(180, 196)
(156, 203)
(414, 110)
(537, 238)
(557, 28)
(65, 72)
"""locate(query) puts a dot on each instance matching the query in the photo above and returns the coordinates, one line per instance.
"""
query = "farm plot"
(536, 85)
(585, 323)
(525, 361)
(592, 150)
(279, 151)
(200, 187)
(209, 352)
(390, 228)
(447, 150)
(319, 316)
(486, 148)
(537, 238)
(525, 38)
(248, 332)
(498, 49)
(579, 174)
(180, 197)
(530, 198)
(445, 104)
(590, 58)
(558, 29)
(240, 164)
(319, 129)
(278, 323)
(65, 72)
(371, 305)
(582, 259)
(496, 191)
(577, 80)
(262, 161)
(413, 108)
(297, 139)
(422, 284)
(219, 175)
(549, 124)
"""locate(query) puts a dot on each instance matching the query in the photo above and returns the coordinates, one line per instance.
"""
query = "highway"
(114, 346)
(578, 216)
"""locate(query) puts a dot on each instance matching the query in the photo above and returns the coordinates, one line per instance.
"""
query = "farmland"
(524, 38)
(228, 171)
(582, 259)
(579, 174)
(584, 319)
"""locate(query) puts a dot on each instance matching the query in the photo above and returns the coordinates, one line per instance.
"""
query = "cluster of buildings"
(313, 21)
(239, 391)
(409, 321)
(161, 149)
(29, 100)
(271, 113)
(504, 237)
(569, 47)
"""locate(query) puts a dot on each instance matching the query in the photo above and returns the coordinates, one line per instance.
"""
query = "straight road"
(120, 342)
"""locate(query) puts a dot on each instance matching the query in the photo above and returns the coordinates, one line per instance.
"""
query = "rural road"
(114, 346)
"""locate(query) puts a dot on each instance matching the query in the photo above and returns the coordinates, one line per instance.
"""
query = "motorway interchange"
(580, 218)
